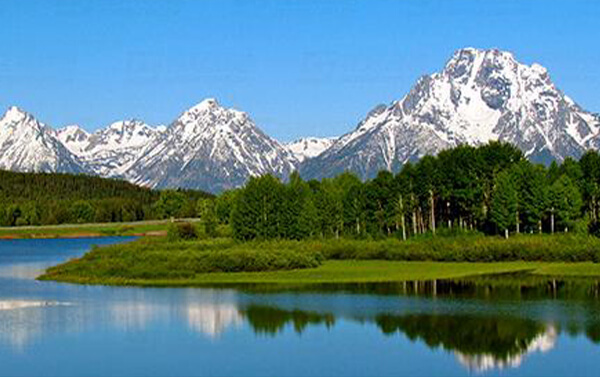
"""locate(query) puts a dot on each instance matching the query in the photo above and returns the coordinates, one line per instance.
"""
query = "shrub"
(182, 231)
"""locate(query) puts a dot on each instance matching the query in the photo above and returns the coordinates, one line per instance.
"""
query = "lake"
(479, 326)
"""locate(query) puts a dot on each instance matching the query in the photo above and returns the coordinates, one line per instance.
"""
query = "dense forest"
(44, 198)
(491, 188)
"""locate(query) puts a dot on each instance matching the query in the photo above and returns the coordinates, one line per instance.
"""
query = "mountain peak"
(480, 95)
(14, 115)
(123, 125)
(206, 104)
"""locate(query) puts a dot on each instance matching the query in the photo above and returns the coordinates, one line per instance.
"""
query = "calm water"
(450, 328)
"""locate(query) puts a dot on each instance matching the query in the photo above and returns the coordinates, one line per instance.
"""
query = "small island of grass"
(161, 262)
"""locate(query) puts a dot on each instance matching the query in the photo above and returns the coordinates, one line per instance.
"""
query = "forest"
(50, 198)
(492, 189)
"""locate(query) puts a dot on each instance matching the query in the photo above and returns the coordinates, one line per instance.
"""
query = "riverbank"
(158, 262)
(138, 228)
(341, 272)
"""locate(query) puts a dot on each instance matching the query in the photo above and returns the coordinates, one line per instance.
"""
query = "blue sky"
(297, 67)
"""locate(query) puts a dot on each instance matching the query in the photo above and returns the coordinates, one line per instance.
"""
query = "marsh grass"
(159, 259)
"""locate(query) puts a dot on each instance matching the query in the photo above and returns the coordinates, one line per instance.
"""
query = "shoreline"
(49, 236)
(151, 228)
(156, 261)
(357, 272)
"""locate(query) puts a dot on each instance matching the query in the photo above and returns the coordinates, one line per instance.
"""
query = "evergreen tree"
(171, 203)
(82, 212)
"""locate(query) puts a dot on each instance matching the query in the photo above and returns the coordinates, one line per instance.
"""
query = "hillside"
(58, 198)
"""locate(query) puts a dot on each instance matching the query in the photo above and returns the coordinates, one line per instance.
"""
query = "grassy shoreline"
(138, 228)
(341, 272)
(158, 262)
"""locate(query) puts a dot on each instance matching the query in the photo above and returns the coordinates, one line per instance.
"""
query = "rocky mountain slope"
(26, 145)
(480, 95)
(308, 147)
(211, 148)
(110, 151)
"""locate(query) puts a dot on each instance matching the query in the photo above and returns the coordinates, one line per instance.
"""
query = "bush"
(468, 248)
(182, 231)
(162, 259)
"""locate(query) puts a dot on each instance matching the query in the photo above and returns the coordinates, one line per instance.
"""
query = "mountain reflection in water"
(486, 324)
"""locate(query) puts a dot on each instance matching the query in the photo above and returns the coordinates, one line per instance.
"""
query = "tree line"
(490, 188)
(51, 198)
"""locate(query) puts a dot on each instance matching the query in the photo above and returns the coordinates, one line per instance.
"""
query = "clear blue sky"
(298, 67)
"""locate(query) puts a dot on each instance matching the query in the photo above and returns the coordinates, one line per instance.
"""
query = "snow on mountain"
(74, 138)
(30, 146)
(112, 150)
(212, 148)
(308, 147)
(480, 95)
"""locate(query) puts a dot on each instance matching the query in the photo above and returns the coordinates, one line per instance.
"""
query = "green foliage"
(206, 210)
(171, 203)
(504, 202)
(258, 211)
(82, 212)
(47, 199)
(179, 231)
(156, 259)
(565, 201)
(490, 188)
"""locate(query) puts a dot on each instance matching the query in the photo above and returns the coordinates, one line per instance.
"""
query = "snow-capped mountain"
(309, 147)
(109, 151)
(211, 148)
(27, 145)
(74, 138)
(480, 95)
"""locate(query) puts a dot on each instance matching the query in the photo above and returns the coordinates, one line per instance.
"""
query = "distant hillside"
(58, 186)
(55, 198)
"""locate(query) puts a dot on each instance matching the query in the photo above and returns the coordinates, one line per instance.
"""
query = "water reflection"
(481, 362)
(479, 343)
(480, 325)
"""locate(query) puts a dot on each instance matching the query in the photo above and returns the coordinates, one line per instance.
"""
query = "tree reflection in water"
(485, 323)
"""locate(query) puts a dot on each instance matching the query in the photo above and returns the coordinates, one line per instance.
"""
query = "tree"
(353, 203)
(590, 186)
(171, 203)
(82, 212)
(565, 202)
(31, 213)
(504, 203)
(295, 197)
(224, 205)
(208, 216)
(257, 210)
(532, 193)
(427, 188)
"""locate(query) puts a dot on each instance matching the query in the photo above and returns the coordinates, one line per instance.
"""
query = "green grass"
(353, 272)
(157, 227)
(158, 262)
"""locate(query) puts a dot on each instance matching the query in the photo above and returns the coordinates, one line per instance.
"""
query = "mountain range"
(478, 96)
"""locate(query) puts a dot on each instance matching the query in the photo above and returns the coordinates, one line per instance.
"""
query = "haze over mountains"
(480, 95)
